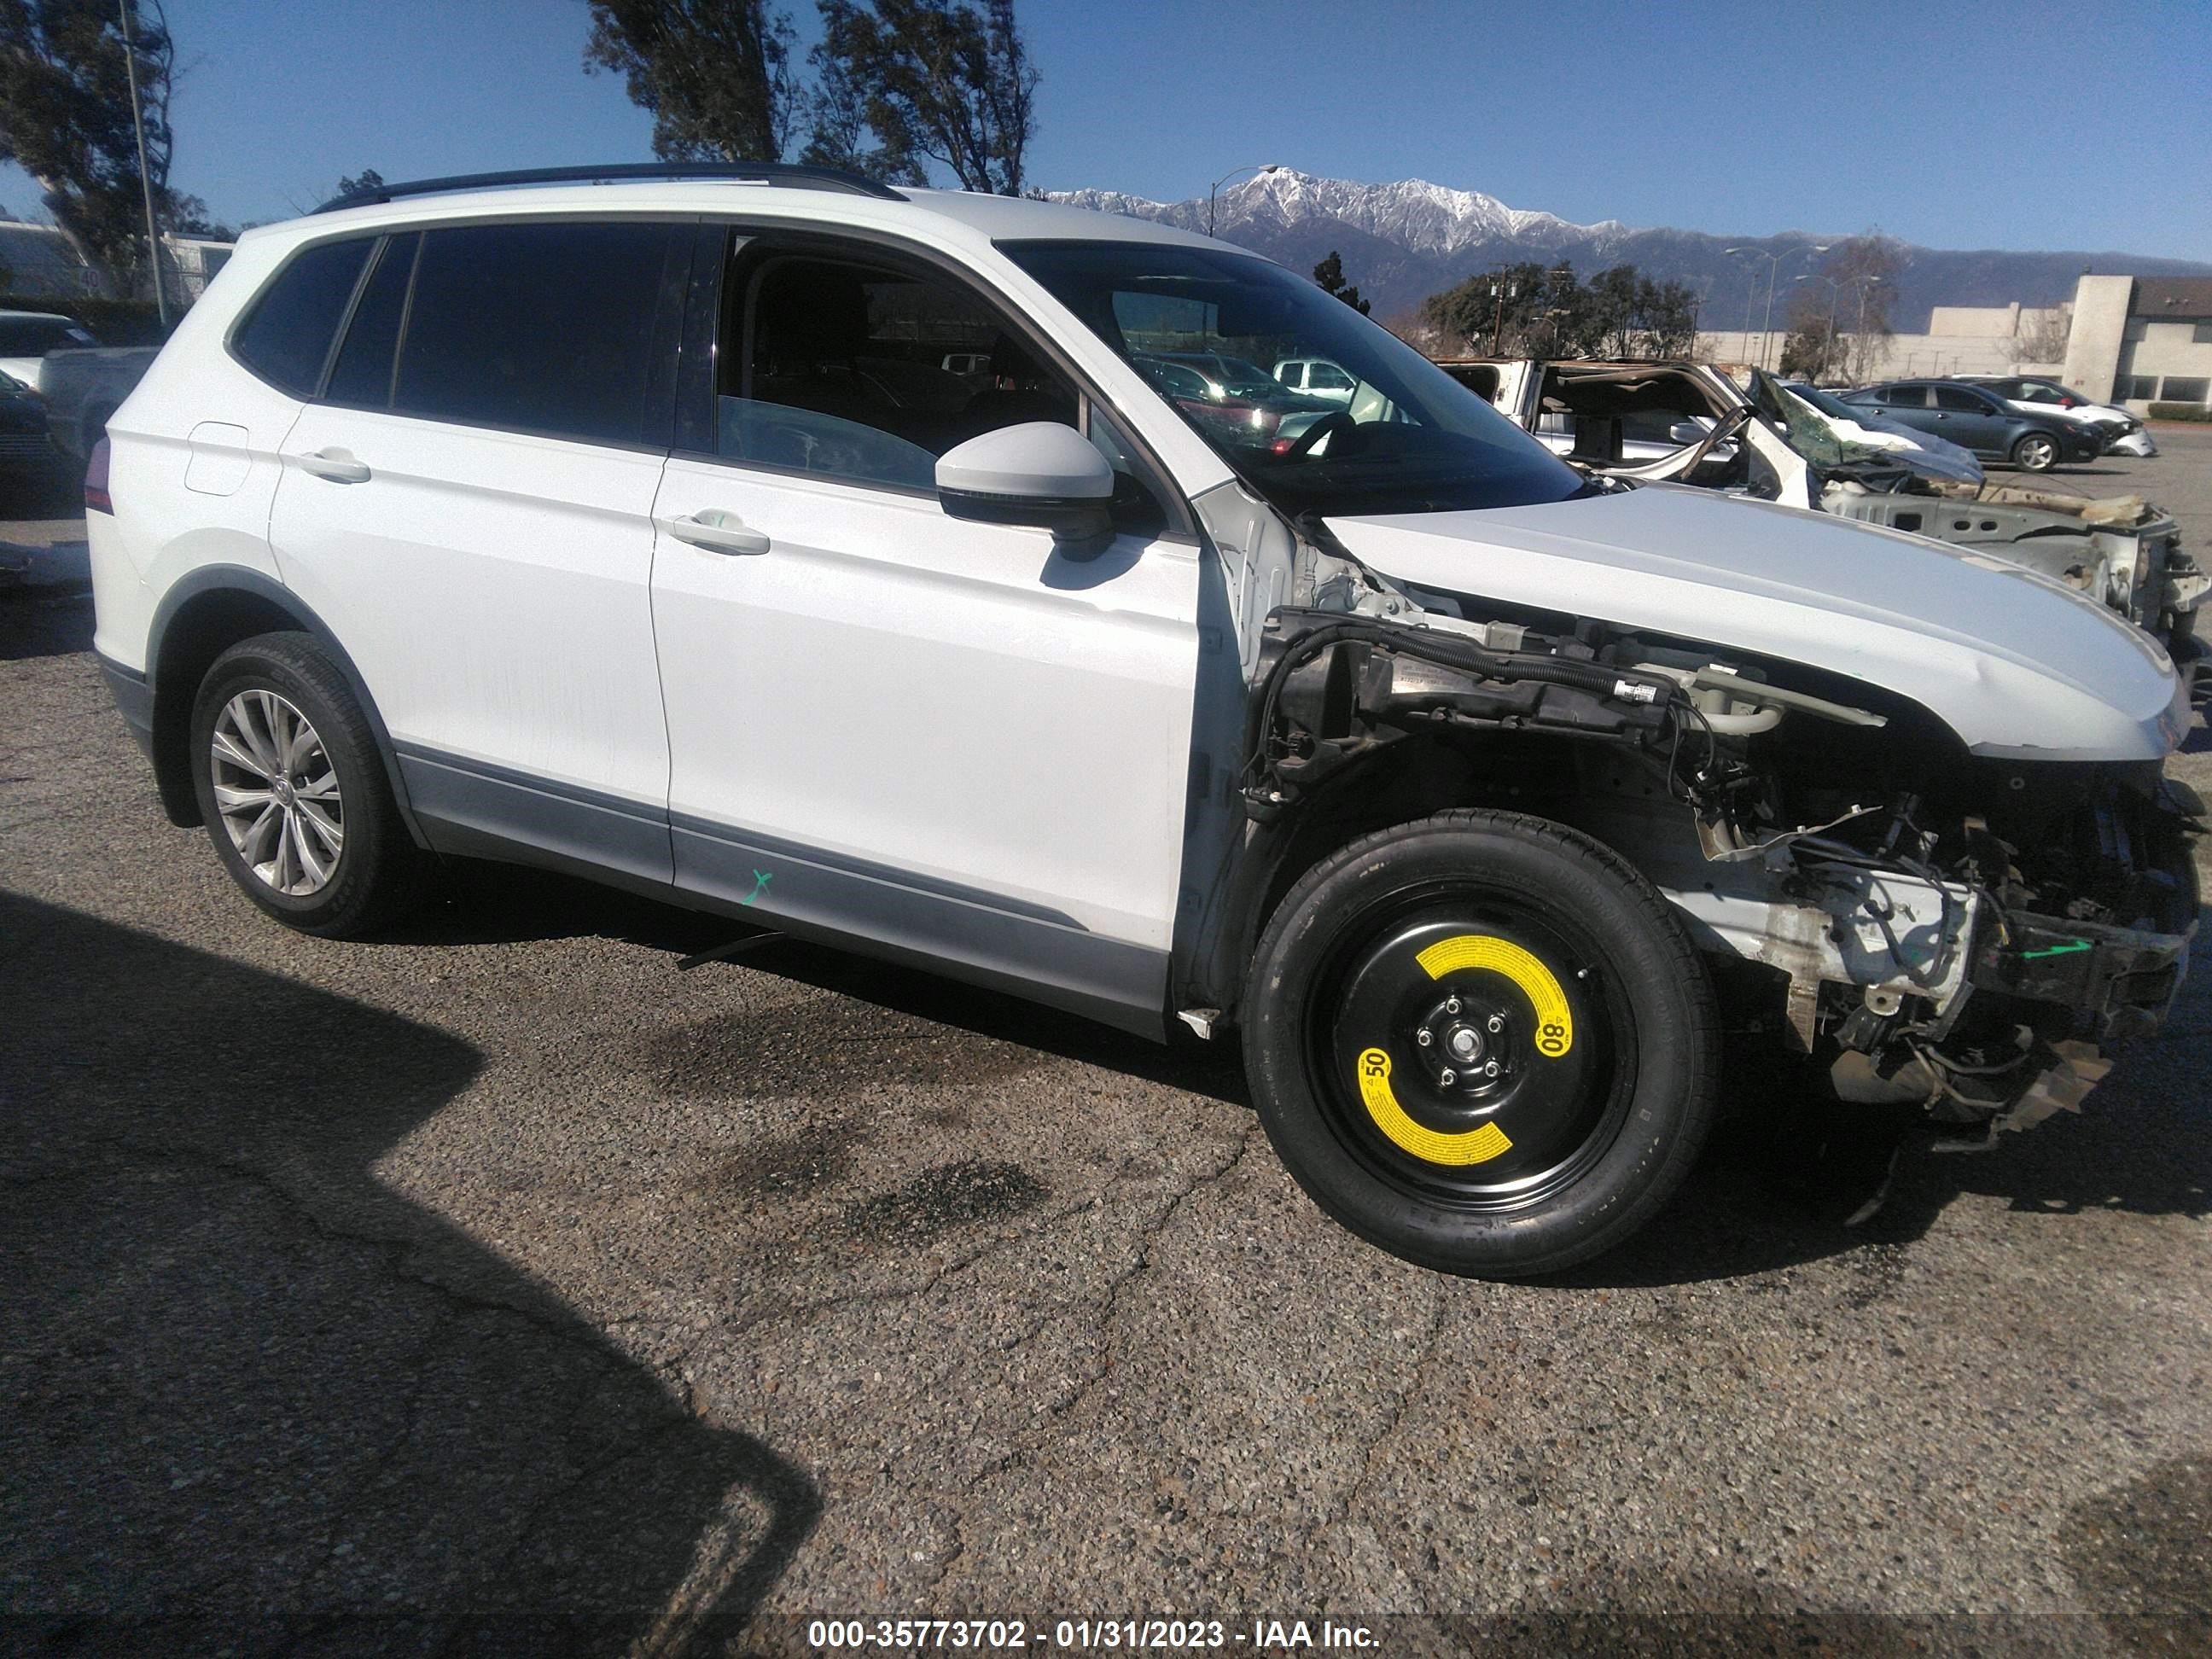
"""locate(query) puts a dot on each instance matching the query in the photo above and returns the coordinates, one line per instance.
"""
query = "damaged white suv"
(642, 531)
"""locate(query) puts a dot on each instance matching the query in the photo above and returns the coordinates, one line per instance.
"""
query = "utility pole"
(145, 178)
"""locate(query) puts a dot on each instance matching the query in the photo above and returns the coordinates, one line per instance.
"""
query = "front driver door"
(941, 740)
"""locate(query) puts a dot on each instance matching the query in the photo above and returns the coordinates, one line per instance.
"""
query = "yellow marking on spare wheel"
(1464, 1146)
(1555, 1025)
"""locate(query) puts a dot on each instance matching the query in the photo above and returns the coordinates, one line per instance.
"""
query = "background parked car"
(1978, 419)
(24, 443)
(26, 337)
(84, 386)
(2035, 394)
(1316, 377)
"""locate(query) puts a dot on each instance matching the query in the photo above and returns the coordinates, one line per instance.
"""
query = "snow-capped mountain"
(1404, 241)
(1412, 213)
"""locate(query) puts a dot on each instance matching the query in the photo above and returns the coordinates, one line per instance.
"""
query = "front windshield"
(1827, 402)
(1407, 438)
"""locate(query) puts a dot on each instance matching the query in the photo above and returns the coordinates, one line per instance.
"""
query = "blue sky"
(1957, 125)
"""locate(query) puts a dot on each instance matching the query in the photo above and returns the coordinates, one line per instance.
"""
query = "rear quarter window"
(286, 337)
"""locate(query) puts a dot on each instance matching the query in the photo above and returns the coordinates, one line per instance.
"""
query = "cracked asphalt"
(502, 1287)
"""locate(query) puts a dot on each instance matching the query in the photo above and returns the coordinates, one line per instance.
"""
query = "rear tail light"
(96, 498)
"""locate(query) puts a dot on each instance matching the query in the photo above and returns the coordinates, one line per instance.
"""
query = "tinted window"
(2185, 389)
(35, 337)
(1959, 396)
(845, 372)
(537, 327)
(363, 374)
(1907, 397)
(287, 336)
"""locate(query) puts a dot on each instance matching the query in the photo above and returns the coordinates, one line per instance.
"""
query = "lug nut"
(1449, 1077)
(1489, 1070)
(1423, 1037)
(1451, 1005)
(1497, 1023)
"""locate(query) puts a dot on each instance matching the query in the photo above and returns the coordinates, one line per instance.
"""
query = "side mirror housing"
(1039, 473)
(1689, 430)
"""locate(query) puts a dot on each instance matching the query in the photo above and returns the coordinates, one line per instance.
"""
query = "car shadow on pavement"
(1790, 1178)
(482, 902)
(252, 1395)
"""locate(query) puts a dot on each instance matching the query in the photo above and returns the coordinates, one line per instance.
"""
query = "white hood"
(2016, 664)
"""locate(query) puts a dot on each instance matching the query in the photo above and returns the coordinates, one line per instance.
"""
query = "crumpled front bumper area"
(2122, 979)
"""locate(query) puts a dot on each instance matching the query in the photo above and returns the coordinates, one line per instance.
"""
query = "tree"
(1329, 273)
(368, 180)
(2042, 338)
(1814, 347)
(939, 80)
(65, 120)
(714, 75)
(1864, 269)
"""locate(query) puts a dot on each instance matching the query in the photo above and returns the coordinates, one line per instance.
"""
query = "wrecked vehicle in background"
(1773, 445)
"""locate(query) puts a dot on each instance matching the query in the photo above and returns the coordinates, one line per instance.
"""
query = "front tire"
(1482, 1042)
(2036, 451)
(294, 792)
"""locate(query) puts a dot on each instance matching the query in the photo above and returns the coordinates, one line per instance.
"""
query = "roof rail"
(755, 173)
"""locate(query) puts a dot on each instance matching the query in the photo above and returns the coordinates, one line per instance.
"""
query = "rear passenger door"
(939, 738)
(1909, 404)
(467, 502)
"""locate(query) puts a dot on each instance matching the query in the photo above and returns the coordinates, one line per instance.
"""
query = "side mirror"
(1690, 431)
(1039, 473)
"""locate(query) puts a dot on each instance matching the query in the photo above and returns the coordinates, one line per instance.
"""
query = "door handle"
(716, 530)
(338, 465)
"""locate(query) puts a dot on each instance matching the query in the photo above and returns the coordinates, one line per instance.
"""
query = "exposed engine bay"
(1939, 926)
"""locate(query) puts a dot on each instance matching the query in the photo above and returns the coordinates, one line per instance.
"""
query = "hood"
(2017, 665)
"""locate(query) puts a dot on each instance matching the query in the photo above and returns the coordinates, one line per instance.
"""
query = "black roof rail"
(754, 173)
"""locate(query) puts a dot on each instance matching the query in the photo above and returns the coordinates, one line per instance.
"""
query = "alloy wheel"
(277, 792)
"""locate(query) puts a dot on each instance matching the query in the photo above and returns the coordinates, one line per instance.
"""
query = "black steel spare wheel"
(1483, 1041)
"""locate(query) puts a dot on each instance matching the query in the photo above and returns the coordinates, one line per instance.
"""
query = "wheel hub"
(1464, 1045)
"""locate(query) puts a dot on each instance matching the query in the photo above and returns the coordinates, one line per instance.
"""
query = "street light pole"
(1773, 271)
(1272, 167)
(145, 178)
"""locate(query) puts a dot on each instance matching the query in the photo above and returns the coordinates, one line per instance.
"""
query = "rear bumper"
(134, 699)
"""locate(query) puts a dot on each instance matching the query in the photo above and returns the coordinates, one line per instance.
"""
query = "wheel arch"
(202, 616)
(1398, 782)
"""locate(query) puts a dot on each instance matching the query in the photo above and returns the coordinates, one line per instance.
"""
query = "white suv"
(642, 531)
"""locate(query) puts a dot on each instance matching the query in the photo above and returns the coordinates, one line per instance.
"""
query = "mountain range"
(1404, 241)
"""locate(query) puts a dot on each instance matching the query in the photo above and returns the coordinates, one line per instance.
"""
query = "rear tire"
(294, 792)
(2035, 452)
(1482, 1042)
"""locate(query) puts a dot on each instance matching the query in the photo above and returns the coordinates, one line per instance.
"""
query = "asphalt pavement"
(505, 1285)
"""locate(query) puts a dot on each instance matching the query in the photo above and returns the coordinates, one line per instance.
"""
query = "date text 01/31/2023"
(1165, 1635)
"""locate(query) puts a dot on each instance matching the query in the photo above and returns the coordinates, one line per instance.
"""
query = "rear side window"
(363, 374)
(286, 337)
(35, 337)
(1958, 397)
(537, 327)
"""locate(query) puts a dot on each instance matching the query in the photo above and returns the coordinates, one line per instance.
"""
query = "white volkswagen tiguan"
(639, 529)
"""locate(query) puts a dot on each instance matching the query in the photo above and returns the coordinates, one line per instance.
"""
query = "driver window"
(867, 374)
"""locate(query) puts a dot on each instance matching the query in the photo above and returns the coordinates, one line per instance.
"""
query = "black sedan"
(1979, 421)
